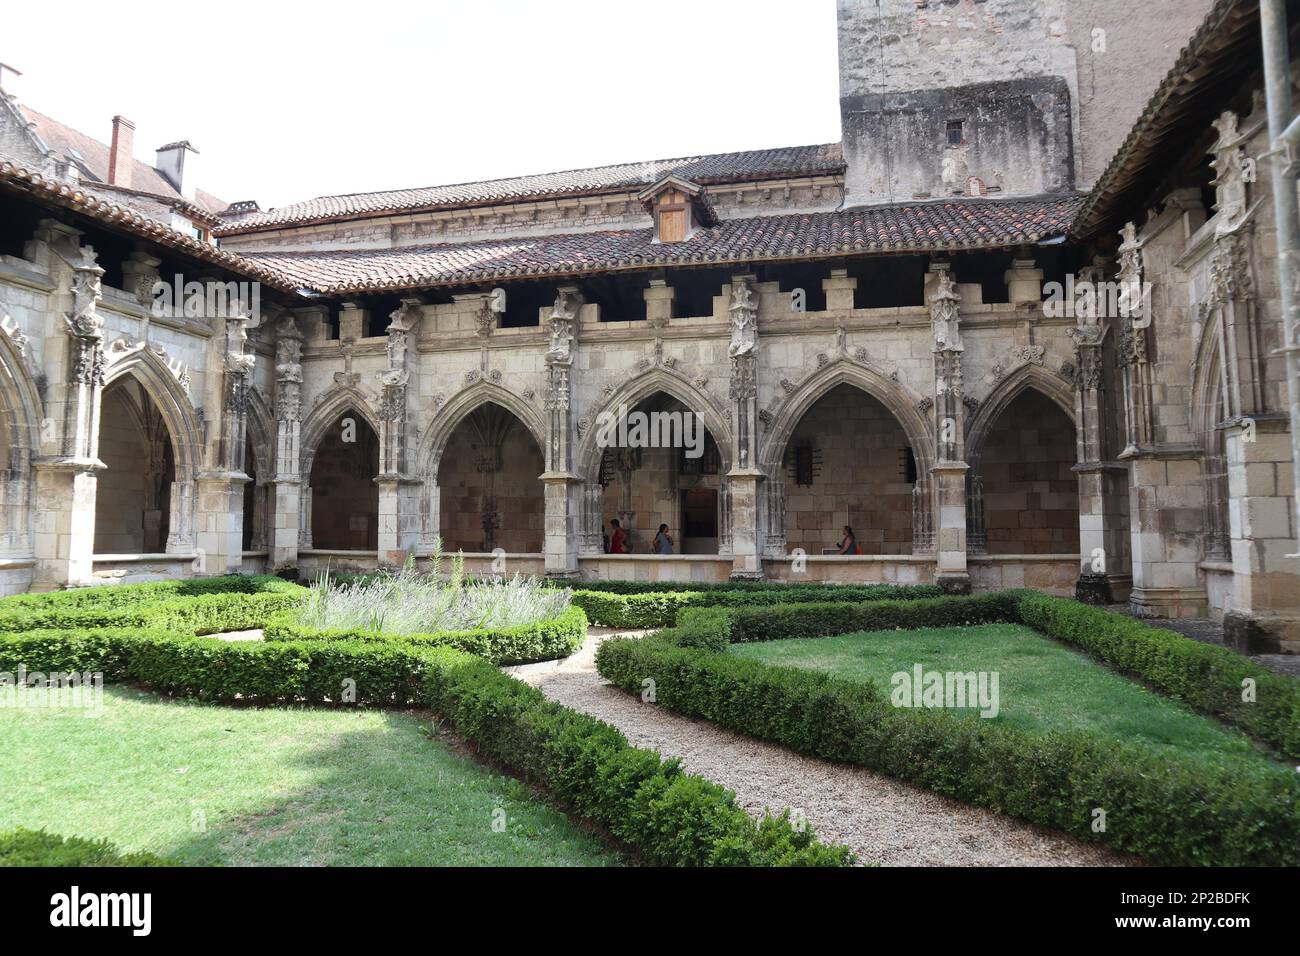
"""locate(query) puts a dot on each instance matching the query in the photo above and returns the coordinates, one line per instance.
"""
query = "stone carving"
(944, 316)
(860, 355)
(744, 320)
(288, 369)
(971, 402)
(485, 320)
(85, 324)
(1031, 354)
(788, 386)
(925, 404)
(11, 328)
(1230, 279)
(568, 301)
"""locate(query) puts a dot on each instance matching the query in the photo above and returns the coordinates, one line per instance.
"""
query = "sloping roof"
(1218, 58)
(106, 209)
(94, 157)
(783, 163)
(925, 226)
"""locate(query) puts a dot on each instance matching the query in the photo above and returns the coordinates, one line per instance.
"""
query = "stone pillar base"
(1169, 602)
(1262, 634)
(953, 582)
(1093, 589)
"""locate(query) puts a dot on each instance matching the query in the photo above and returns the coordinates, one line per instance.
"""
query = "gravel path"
(882, 820)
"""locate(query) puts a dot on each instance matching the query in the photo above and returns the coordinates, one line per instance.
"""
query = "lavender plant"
(410, 602)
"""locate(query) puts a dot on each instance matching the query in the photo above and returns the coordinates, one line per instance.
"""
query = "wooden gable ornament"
(679, 207)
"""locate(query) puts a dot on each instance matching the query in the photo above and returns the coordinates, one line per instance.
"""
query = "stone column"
(659, 300)
(1134, 364)
(561, 540)
(744, 479)
(1104, 575)
(949, 471)
(220, 490)
(65, 475)
(286, 536)
(399, 491)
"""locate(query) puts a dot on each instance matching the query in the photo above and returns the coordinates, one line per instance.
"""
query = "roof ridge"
(693, 157)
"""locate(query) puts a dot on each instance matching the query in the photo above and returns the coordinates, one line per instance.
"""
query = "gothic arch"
(453, 412)
(636, 390)
(1209, 379)
(150, 371)
(22, 413)
(328, 408)
(844, 372)
(261, 434)
(1027, 377)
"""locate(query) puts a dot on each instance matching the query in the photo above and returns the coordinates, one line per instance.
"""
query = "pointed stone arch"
(1033, 377)
(328, 408)
(899, 401)
(21, 414)
(635, 391)
(171, 398)
(160, 385)
(1024, 499)
(453, 412)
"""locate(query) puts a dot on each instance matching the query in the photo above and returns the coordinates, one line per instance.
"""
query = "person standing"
(618, 541)
(849, 543)
(663, 543)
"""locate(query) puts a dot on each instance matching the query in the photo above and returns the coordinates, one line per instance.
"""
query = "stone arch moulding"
(638, 389)
(1209, 378)
(261, 434)
(22, 412)
(454, 411)
(1030, 376)
(898, 400)
(325, 411)
(171, 398)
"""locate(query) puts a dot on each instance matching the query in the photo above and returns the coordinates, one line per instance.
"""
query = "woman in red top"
(618, 542)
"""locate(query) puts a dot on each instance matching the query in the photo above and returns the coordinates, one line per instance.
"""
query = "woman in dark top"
(849, 544)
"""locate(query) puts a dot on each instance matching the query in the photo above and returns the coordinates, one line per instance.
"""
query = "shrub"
(558, 636)
(22, 847)
(660, 608)
(671, 817)
(412, 603)
(1186, 811)
(1207, 678)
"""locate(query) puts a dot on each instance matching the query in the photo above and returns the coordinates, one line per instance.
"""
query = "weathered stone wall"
(859, 458)
(501, 481)
(1030, 493)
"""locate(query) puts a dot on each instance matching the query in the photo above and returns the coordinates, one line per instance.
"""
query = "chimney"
(171, 162)
(120, 153)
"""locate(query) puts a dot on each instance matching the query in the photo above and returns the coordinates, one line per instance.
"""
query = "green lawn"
(207, 784)
(1042, 684)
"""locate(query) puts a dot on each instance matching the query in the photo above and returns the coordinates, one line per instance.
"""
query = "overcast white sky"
(290, 101)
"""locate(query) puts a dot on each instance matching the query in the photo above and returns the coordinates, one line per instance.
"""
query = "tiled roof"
(94, 157)
(924, 226)
(109, 210)
(783, 163)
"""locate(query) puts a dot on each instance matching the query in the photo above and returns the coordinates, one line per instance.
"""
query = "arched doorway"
(133, 498)
(1024, 494)
(344, 496)
(488, 478)
(664, 467)
(849, 462)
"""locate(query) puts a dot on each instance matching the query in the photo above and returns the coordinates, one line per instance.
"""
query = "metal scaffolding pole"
(1283, 133)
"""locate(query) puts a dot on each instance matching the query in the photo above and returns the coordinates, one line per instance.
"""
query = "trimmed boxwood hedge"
(673, 818)
(544, 640)
(1189, 811)
(23, 847)
(658, 605)
(1169, 811)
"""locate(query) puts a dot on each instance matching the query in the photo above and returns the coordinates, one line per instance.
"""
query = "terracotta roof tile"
(955, 224)
(782, 163)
